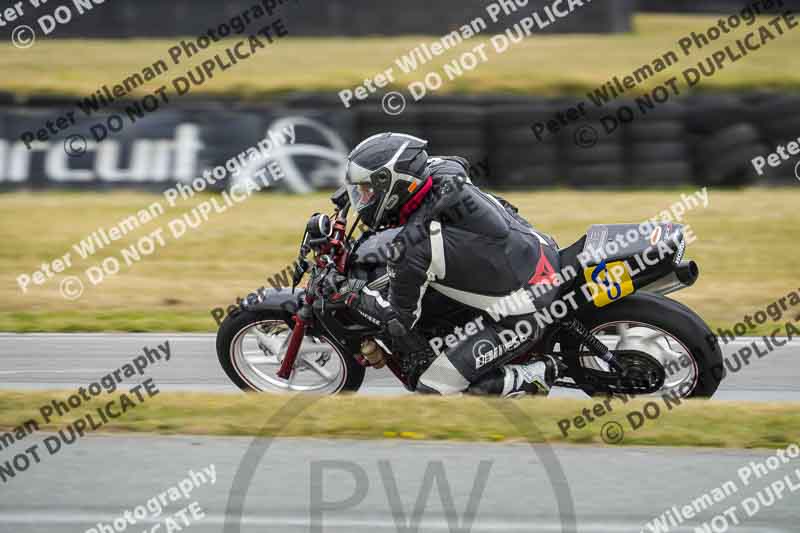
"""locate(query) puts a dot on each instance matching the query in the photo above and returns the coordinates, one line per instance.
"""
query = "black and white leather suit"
(470, 246)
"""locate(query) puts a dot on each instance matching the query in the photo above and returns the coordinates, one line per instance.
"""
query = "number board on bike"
(608, 282)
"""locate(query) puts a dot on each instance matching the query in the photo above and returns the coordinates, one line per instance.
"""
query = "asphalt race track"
(297, 483)
(317, 485)
(35, 361)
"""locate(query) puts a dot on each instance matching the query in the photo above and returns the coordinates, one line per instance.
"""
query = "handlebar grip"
(316, 242)
(336, 306)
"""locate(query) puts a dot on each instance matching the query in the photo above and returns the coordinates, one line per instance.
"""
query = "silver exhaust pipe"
(684, 275)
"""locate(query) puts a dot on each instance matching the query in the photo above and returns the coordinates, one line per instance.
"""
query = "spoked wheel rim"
(680, 366)
(258, 349)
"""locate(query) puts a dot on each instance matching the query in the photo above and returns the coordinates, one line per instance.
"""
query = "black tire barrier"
(456, 130)
(607, 175)
(732, 168)
(764, 108)
(781, 131)
(453, 136)
(659, 174)
(440, 101)
(670, 110)
(540, 166)
(702, 139)
(724, 7)
(519, 137)
(583, 132)
(727, 140)
(516, 125)
(723, 158)
(46, 100)
(533, 155)
(524, 177)
(519, 113)
(606, 152)
(654, 131)
(708, 114)
(512, 124)
(453, 116)
(470, 153)
(659, 151)
(329, 18)
(372, 120)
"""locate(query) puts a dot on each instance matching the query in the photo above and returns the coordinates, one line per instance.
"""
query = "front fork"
(301, 320)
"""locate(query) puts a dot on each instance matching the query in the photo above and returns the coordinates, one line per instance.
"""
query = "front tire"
(251, 346)
(649, 318)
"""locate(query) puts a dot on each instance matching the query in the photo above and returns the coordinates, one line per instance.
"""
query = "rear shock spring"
(599, 349)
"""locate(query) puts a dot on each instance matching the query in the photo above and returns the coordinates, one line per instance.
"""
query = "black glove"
(370, 306)
(341, 291)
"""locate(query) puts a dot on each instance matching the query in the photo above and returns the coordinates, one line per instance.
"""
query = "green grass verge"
(744, 248)
(134, 321)
(692, 423)
(554, 64)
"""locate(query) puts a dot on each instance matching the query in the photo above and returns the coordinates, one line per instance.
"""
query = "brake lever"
(301, 266)
(300, 269)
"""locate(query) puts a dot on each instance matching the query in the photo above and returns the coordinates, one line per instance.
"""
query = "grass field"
(746, 249)
(691, 423)
(543, 65)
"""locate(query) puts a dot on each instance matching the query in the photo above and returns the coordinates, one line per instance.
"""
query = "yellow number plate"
(608, 282)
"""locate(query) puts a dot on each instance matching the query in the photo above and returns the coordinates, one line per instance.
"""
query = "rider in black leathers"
(470, 246)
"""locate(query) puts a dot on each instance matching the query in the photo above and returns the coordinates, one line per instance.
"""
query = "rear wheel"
(251, 346)
(664, 329)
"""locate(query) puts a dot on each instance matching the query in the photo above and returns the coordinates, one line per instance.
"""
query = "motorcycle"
(620, 335)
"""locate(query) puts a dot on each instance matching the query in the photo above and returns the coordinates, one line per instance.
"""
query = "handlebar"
(317, 242)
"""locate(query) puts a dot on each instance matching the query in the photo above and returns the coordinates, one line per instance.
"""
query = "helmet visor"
(362, 195)
(366, 191)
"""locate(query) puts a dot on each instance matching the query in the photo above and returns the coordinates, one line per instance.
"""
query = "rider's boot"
(534, 378)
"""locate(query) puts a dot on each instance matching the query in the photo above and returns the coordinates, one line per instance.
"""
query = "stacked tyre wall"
(714, 6)
(316, 18)
(703, 139)
(708, 139)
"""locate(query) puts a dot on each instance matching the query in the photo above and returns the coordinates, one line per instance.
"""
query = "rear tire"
(237, 325)
(675, 319)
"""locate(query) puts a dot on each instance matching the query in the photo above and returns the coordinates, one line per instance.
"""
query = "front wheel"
(664, 329)
(251, 346)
